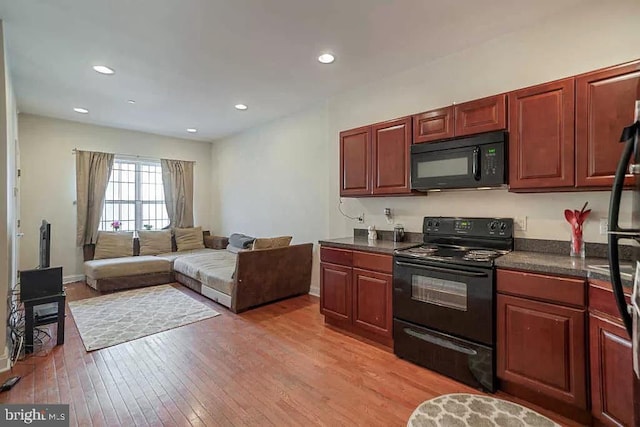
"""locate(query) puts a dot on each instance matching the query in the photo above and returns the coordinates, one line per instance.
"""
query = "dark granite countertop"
(363, 244)
(538, 262)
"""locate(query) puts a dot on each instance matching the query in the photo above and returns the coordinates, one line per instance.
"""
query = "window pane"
(124, 192)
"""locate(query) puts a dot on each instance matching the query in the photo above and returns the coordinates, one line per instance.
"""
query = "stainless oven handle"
(441, 269)
(440, 342)
(475, 168)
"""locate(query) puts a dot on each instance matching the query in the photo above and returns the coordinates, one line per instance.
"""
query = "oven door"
(457, 300)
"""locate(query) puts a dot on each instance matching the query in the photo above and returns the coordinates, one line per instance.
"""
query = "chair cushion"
(189, 238)
(273, 242)
(154, 242)
(113, 244)
(128, 266)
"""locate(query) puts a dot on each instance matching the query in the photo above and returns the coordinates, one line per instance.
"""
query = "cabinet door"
(542, 347)
(335, 291)
(611, 372)
(433, 125)
(355, 162)
(391, 156)
(481, 115)
(605, 105)
(541, 136)
(372, 301)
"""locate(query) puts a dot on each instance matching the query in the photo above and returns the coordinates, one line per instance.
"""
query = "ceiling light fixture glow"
(192, 130)
(81, 110)
(241, 107)
(131, 101)
(326, 58)
(103, 69)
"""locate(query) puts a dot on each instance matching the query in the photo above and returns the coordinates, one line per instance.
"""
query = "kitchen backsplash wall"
(544, 212)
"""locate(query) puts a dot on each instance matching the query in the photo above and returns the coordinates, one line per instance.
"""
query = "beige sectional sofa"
(238, 281)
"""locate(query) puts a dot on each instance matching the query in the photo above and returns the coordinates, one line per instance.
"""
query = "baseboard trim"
(5, 361)
(73, 278)
(314, 291)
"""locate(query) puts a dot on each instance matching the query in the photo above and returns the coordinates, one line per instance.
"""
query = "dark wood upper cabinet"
(481, 115)
(391, 142)
(433, 125)
(541, 136)
(611, 372)
(335, 291)
(355, 162)
(372, 301)
(541, 347)
(605, 104)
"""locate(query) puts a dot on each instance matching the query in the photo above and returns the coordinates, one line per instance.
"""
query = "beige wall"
(8, 231)
(599, 34)
(48, 179)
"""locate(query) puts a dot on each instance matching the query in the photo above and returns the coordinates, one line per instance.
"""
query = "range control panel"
(476, 227)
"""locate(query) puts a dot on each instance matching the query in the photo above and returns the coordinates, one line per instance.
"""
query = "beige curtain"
(177, 179)
(92, 176)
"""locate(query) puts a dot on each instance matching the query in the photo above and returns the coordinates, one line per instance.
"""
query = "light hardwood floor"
(275, 365)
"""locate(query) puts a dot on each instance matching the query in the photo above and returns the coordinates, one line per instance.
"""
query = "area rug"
(112, 319)
(460, 410)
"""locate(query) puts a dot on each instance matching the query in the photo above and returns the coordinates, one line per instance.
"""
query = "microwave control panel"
(492, 160)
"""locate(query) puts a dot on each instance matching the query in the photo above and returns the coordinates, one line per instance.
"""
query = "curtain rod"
(135, 157)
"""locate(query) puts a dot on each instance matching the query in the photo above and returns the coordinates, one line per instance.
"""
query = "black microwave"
(478, 161)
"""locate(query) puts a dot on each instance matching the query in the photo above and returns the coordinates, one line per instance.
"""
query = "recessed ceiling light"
(81, 110)
(326, 58)
(103, 69)
(241, 107)
(131, 101)
(192, 130)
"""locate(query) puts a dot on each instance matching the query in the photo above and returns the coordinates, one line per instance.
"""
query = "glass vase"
(577, 244)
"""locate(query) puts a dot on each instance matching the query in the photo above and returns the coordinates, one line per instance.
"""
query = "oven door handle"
(441, 269)
(440, 342)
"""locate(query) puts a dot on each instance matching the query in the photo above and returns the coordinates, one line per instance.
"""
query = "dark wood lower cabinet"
(335, 291)
(356, 293)
(541, 347)
(372, 301)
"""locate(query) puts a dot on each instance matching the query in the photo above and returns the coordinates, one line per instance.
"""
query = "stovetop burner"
(471, 241)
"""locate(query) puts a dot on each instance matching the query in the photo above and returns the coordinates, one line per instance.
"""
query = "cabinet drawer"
(560, 290)
(375, 262)
(336, 256)
(601, 299)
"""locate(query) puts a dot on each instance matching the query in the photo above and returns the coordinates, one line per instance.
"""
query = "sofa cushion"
(172, 256)
(154, 242)
(214, 270)
(240, 240)
(188, 238)
(127, 266)
(113, 244)
(272, 242)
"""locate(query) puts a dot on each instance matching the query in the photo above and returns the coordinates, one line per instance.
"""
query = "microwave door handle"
(475, 167)
(613, 237)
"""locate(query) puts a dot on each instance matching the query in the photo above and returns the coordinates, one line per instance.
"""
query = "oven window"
(445, 167)
(446, 293)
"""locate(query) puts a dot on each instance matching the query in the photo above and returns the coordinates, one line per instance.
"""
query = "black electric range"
(444, 297)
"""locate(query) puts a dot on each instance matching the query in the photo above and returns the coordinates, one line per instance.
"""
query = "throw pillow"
(154, 242)
(188, 238)
(234, 249)
(273, 242)
(113, 244)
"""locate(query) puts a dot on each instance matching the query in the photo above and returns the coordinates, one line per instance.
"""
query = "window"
(135, 197)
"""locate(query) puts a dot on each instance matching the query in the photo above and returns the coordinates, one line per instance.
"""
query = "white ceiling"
(186, 63)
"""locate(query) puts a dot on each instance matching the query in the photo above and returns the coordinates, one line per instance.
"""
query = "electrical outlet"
(361, 219)
(604, 226)
(520, 223)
